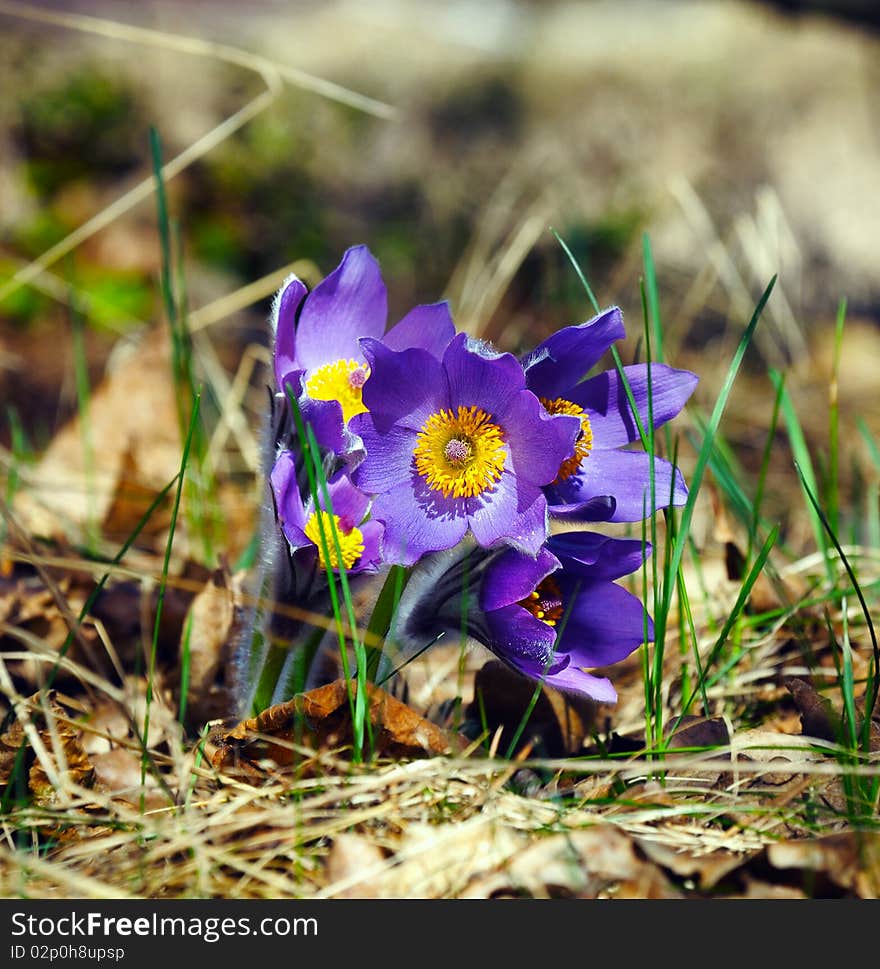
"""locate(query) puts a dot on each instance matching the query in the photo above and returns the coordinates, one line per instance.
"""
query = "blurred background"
(450, 137)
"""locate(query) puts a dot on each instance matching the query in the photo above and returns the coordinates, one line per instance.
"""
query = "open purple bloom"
(598, 467)
(360, 540)
(554, 617)
(454, 445)
(316, 341)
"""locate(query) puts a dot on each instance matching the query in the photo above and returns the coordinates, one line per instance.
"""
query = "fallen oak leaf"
(321, 718)
(61, 742)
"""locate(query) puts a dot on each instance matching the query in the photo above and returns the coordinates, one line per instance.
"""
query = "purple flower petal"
(288, 501)
(389, 458)
(514, 512)
(517, 635)
(611, 416)
(512, 576)
(371, 557)
(349, 503)
(624, 474)
(605, 622)
(571, 679)
(428, 327)
(564, 676)
(538, 442)
(349, 303)
(593, 556)
(564, 358)
(284, 312)
(418, 520)
(599, 508)
(291, 382)
(478, 376)
(404, 387)
(325, 417)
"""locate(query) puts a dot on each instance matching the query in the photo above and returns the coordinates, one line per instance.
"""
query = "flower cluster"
(442, 455)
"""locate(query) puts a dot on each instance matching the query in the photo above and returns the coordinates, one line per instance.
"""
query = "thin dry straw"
(273, 75)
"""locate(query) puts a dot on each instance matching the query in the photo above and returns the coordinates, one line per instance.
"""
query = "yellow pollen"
(461, 453)
(584, 443)
(342, 380)
(545, 603)
(351, 544)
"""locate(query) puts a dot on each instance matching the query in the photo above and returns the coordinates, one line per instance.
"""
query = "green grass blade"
(521, 726)
(868, 437)
(709, 439)
(587, 288)
(17, 452)
(163, 583)
(802, 460)
(83, 399)
(874, 676)
(381, 621)
(653, 295)
(318, 489)
(360, 714)
(99, 586)
(765, 466)
(741, 600)
(833, 489)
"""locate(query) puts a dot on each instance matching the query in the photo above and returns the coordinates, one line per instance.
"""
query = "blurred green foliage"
(87, 125)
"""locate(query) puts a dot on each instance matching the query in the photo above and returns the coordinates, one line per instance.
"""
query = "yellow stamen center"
(584, 443)
(461, 453)
(351, 544)
(545, 603)
(342, 380)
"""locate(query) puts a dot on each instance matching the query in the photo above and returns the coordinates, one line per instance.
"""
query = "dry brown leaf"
(120, 774)
(705, 870)
(208, 636)
(352, 864)
(820, 719)
(850, 859)
(321, 719)
(599, 860)
(135, 430)
(27, 605)
(430, 861)
(62, 744)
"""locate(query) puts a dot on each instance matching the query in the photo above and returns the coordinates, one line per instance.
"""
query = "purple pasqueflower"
(360, 538)
(456, 444)
(316, 341)
(553, 617)
(598, 468)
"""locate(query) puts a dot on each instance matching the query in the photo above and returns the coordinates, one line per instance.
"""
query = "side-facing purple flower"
(554, 617)
(360, 540)
(598, 467)
(456, 444)
(573, 619)
(316, 341)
